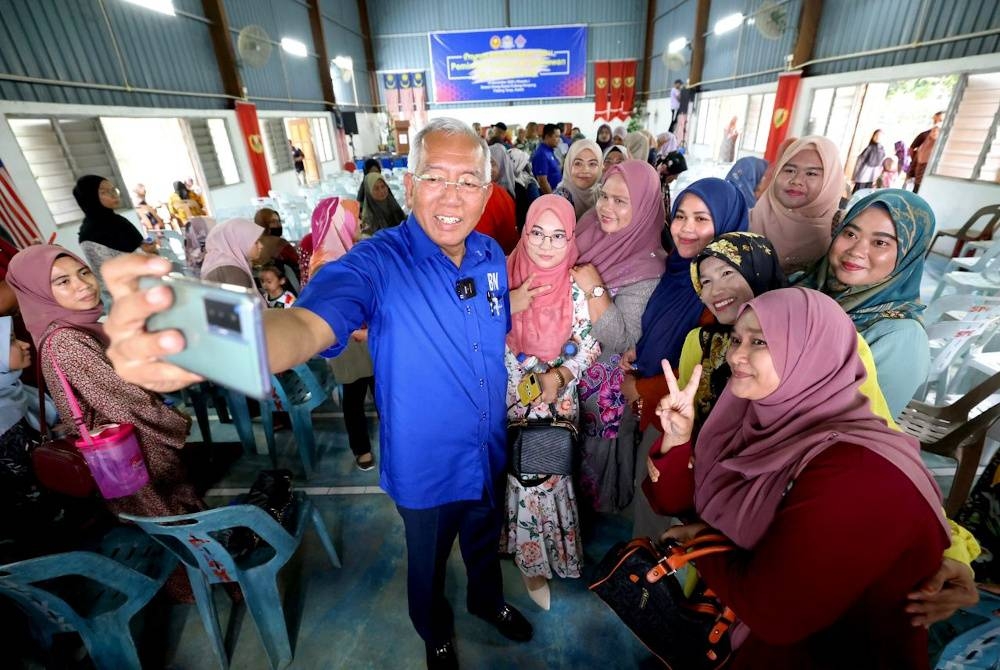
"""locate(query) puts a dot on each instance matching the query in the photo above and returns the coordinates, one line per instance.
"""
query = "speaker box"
(350, 122)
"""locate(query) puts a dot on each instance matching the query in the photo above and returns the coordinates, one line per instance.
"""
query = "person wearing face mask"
(104, 234)
(797, 209)
(873, 269)
(583, 170)
(787, 437)
(542, 522)
(276, 249)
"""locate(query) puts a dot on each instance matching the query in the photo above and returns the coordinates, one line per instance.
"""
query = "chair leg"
(267, 418)
(302, 427)
(209, 615)
(260, 589)
(968, 461)
(241, 419)
(110, 644)
(324, 536)
(940, 288)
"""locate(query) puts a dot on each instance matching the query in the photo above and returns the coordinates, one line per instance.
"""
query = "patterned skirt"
(542, 528)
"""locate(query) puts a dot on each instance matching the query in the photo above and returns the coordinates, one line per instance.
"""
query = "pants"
(918, 176)
(430, 534)
(354, 414)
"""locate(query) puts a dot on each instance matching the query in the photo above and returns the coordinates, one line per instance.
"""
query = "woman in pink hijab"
(796, 212)
(231, 249)
(552, 337)
(835, 518)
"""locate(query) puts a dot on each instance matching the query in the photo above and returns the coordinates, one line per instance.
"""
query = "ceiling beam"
(319, 44)
(698, 40)
(809, 17)
(366, 38)
(222, 43)
(647, 55)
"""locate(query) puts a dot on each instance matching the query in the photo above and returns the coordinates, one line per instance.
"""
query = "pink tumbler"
(115, 459)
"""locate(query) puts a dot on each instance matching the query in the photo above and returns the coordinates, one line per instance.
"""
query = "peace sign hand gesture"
(676, 409)
(521, 297)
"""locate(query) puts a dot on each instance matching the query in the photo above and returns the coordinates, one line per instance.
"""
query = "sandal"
(367, 464)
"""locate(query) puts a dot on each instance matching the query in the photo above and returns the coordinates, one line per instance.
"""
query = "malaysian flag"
(15, 218)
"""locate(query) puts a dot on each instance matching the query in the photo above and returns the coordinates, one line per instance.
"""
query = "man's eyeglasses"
(558, 240)
(466, 186)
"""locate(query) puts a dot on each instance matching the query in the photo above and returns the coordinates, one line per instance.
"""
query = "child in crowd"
(889, 173)
(276, 292)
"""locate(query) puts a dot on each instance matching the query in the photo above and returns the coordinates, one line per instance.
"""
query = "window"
(321, 140)
(214, 151)
(758, 125)
(275, 140)
(60, 151)
(972, 149)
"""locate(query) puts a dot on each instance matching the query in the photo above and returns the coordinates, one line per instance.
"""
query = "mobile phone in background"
(223, 330)
(528, 389)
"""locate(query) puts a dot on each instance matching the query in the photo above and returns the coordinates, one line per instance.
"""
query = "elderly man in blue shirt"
(434, 295)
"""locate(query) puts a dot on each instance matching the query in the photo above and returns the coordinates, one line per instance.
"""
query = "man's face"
(447, 214)
(552, 140)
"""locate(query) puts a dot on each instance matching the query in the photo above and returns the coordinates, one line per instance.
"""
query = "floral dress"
(542, 522)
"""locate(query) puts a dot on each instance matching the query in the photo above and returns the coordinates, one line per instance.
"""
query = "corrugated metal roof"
(673, 20)
(751, 48)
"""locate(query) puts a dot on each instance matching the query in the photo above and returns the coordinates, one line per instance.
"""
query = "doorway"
(300, 134)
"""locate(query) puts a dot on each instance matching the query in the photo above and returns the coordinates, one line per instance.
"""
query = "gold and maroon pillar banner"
(602, 79)
(784, 104)
(628, 89)
(246, 114)
(617, 75)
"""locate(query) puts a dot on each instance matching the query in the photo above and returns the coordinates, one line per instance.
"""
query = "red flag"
(14, 216)
(784, 103)
(602, 77)
(628, 89)
(246, 114)
(615, 107)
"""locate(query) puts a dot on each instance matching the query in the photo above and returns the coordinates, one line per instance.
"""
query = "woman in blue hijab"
(703, 211)
(873, 268)
(745, 175)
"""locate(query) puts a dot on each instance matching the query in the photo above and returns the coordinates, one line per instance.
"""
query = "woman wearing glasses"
(550, 336)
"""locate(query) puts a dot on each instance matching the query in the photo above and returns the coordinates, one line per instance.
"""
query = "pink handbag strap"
(74, 405)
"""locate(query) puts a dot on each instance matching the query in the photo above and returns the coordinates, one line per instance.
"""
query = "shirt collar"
(422, 247)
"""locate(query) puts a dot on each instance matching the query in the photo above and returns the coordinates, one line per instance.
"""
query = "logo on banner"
(255, 144)
(418, 79)
(404, 80)
(616, 82)
(602, 82)
(495, 42)
(629, 82)
(780, 116)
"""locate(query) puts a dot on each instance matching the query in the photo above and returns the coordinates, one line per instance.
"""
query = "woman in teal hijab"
(873, 268)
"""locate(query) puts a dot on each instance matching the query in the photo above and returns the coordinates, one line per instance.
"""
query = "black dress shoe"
(441, 656)
(511, 624)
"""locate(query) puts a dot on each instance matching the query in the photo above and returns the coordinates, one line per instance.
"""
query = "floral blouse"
(588, 350)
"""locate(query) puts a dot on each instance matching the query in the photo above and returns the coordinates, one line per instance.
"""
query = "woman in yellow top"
(185, 203)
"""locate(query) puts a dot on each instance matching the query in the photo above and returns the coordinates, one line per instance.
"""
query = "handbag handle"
(74, 406)
(680, 555)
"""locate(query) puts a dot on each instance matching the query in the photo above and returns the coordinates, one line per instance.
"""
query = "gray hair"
(448, 126)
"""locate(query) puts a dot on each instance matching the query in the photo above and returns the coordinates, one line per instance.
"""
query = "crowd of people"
(734, 358)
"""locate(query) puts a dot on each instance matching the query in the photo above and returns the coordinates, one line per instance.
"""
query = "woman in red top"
(499, 219)
(835, 516)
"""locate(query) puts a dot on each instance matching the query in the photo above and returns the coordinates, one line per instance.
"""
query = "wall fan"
(254, 46)
(674, 61)
(771, 20)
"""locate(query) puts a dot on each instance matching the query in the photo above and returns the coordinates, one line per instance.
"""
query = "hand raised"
(676, 409)
(521, 297)
(627, 359)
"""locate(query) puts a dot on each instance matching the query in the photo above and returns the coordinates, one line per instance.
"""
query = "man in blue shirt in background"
(434, 295)
(545, 163)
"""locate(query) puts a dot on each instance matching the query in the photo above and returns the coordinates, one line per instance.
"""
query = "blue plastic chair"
(93, 594)
(195, 540)
(300, 390)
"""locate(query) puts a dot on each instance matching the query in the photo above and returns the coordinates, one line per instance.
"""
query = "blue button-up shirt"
(440, 380)
(545, 164)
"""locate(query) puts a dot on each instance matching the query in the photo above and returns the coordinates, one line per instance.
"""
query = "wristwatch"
(595, 292)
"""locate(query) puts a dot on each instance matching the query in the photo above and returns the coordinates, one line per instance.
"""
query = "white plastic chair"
(986, 281)
(950, 343)
(961, 307)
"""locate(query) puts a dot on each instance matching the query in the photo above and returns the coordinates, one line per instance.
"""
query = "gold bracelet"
(562, 380)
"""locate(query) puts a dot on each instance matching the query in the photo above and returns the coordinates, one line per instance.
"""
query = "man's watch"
(595, 292)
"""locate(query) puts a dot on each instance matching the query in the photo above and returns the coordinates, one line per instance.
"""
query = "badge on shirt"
(494, 296)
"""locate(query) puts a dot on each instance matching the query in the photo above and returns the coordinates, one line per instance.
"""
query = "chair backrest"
(198, 539)
(970, 307)
(953, 340)
(986, 232)
(984, 261)
(301, 386)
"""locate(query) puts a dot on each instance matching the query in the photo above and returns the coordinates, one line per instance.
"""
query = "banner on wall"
(246, 114)
(390, 92)
(781, 117)
(15, 219)
(602, 79)
(509, 64)
(615, 96)
(628, 89)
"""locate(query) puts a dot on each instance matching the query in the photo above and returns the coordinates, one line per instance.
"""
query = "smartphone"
(528, 389)
(223, 327)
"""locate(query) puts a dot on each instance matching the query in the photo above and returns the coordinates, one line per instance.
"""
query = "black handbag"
(636, 579)
(272, 492)
(541, 447)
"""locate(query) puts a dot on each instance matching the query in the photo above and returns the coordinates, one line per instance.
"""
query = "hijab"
(667, 142)
(100, 224)
(674, 307)
(745, 174)
(607, 143)
(619, 148)
(335, 227)
(619, 132)
(633, 253)
(801, 235)
(181, 189)
(30, 275)
(498, 152)
(547, 324)
(583, 199)
(18, 401)
(228, 244)
(521, 162)
(898, 295)
(379, 215)
(638, 145)
(750, 451)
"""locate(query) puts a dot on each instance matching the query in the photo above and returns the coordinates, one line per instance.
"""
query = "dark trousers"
(430, 534)
(354, 414)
